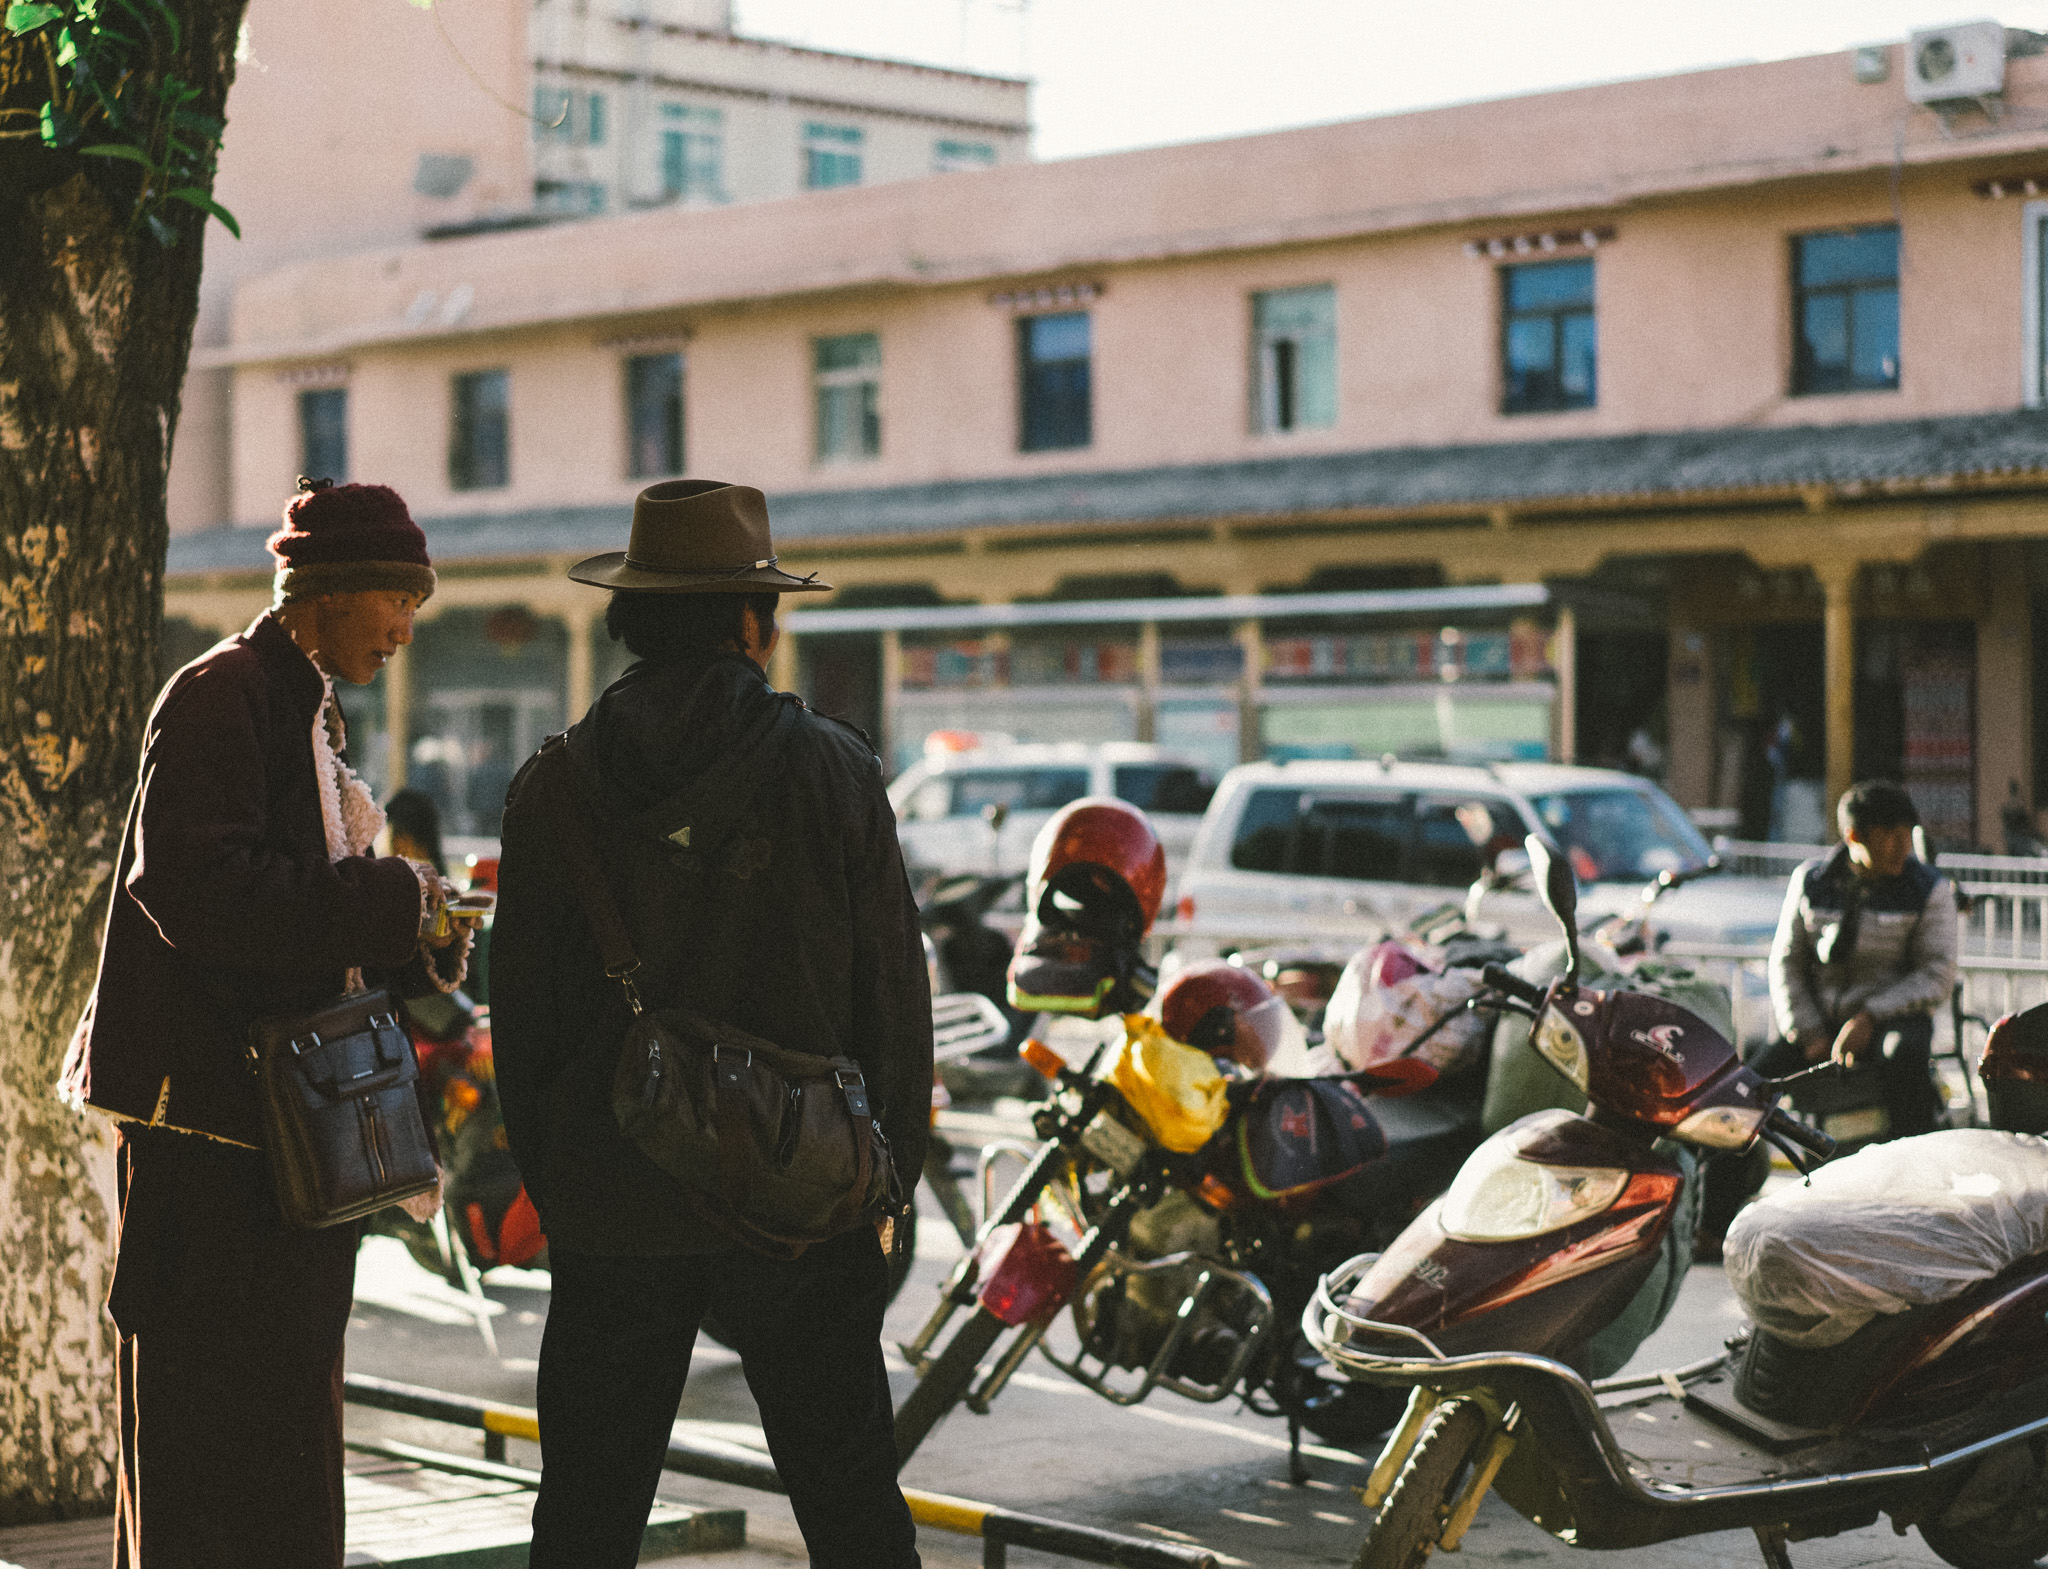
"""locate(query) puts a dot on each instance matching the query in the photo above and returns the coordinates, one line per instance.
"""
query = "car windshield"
(1621, 835)
(1163, 787)
(1018, 789)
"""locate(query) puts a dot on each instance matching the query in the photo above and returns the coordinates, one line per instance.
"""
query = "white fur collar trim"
(348, 811)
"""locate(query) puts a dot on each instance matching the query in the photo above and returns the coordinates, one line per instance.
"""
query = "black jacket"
(788, 915)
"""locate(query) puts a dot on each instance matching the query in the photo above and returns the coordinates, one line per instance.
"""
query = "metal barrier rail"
(999, 1529)
(1992, 985)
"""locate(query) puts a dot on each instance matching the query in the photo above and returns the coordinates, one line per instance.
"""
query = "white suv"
(944, 803)
(1346, 851)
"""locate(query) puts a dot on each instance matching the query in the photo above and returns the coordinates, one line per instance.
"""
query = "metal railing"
(999, 1529)
(1989, 986)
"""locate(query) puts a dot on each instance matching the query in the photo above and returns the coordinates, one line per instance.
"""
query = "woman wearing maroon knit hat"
(246, 888)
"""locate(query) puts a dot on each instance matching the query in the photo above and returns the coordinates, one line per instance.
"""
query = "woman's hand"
(422, 1207)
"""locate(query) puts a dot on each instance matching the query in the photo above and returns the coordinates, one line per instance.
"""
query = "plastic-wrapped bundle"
(1388, 995)
(1893, 1227)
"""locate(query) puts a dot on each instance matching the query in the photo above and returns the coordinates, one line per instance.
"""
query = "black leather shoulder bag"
(341, 1119)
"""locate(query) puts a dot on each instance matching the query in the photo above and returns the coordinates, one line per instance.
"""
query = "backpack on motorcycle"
(1294, 1136)
(775, 1148)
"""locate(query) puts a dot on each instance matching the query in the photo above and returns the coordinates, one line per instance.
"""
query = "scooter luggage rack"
(1212, 1275)
(1606, 1502)
(1344, 1355)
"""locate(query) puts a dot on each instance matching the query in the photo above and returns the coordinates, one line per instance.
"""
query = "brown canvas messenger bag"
(341, 1119)
(774, 1148)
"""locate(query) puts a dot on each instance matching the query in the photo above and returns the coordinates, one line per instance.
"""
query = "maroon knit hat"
(345, 539)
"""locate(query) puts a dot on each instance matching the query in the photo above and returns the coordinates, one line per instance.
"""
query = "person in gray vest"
(1865, 953)
(791, 920)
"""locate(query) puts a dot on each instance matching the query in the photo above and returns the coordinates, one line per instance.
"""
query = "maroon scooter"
(1937, 1416)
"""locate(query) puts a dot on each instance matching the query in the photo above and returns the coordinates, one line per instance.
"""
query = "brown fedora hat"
(697, 536)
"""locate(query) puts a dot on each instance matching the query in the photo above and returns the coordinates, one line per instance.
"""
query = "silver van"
(946, 804)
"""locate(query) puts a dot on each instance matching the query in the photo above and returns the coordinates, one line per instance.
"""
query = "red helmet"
(1227, 1011)
(1097, 868)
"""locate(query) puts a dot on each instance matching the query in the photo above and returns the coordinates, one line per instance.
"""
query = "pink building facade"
(1687, 423)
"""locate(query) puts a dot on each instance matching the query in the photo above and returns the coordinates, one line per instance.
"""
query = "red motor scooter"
(1937, 1416)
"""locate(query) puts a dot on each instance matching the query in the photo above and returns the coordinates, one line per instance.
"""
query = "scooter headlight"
(1499, 1195)
(1559, 1041)
(1721, 1127)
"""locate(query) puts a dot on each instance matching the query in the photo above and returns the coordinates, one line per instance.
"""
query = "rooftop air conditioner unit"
(1944, 64)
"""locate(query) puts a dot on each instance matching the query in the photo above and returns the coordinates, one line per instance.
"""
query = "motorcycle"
(1178, 1268)
(1935, 1414)
(489, 1220)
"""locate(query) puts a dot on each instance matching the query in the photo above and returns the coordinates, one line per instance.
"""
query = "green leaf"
(118, 150)
(209, 126)
(26, 18)
(60, 128)
(193, 196)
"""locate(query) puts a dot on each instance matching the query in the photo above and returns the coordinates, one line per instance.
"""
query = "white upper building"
(640, 103)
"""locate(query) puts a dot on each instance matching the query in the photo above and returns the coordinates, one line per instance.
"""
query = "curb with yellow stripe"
(998, 1528)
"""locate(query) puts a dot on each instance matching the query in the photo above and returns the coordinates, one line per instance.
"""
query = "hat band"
(745, 566)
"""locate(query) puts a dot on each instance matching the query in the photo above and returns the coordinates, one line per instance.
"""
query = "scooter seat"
(1893, 1227)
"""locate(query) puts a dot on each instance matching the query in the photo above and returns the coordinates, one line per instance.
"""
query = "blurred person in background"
(412, 828)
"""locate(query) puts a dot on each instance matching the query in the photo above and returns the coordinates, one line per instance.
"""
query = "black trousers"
(230, 1364)
(1904, 1046)
(809, 1331)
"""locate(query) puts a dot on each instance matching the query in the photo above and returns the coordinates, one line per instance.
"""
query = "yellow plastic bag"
(1175, 1088)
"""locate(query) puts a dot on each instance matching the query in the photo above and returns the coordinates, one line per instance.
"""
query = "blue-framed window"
(654, 415)
(1549, 347)
(1296, 358)
(1053, 356)
(847, 377)
(323, 433)
(832, 155)
(692, 153)
(479, 445)
(1845, 287)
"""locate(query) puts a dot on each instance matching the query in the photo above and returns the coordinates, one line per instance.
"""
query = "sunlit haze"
(1113, 74)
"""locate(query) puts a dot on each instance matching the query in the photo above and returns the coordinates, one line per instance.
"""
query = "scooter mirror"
(1560, 892)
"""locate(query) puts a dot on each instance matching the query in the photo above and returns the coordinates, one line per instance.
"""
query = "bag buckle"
(383, 1021)
(623, 974)
(854, 1088)
(746, 1057)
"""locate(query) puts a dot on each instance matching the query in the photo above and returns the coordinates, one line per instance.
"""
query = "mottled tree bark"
(95, 323)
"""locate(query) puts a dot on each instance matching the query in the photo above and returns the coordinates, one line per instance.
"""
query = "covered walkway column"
(892, 688)
(1838, 659)
(1148, 680)
(1251, 745)
(582, 682)
(398, 715)
(1565, 663)
(782, 664)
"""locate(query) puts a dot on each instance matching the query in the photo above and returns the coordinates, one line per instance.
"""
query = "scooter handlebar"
(1501, 979)
(1808, 1138)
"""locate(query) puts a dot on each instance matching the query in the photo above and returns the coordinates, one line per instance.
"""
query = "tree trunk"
(95, 323)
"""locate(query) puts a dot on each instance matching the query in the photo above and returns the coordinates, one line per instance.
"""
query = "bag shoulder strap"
(552, 769)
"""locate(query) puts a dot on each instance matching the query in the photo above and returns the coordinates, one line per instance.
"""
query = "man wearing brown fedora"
(780, 908)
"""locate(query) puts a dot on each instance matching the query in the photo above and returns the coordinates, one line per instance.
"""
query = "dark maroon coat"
(226, 906)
